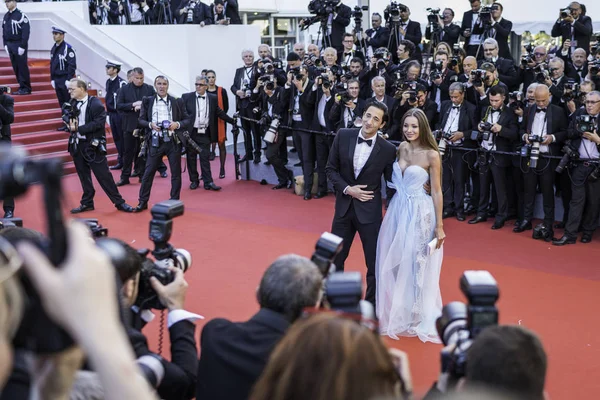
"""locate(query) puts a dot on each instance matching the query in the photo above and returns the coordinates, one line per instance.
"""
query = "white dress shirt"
(362, 152)
(202, 111)
(475, 40)
(540, 127)
(587, 148)
(492, 118)
(452, 124)
(161, 111)
(82, 105)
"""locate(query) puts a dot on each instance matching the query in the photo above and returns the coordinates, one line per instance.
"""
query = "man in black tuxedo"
(576, 66)
(406, 30)
(165, 118)
(320, 122)
(7, 117)
(504, 132)
(378, 85)
(584, 210)
(129, 102)
(234, 354)
(413, 99)
(344, 114)
(87, 146)
(526, 72)
(440, 80)
(377, 36)
(346, 55)
(357, 160)
(337, 23)
(500, 30)
(549, 123)
(507, 73)
(241, 88)
(446, 31)
(574, 27)
(472, 30)
(458, 118)
(203, 111)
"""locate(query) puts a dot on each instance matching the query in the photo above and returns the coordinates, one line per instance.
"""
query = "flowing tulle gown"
(408, 291)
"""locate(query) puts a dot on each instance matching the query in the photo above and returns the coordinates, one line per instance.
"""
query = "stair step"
(36, 126)
(36, 115)
(45, 137)
(37, 95)
(69, 166)
(11, 80)
(8, 70)
(36, 105)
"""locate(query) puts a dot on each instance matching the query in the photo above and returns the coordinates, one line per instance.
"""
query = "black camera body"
(436, 70)
(594, 67)
(482, 136)
(570, 155)
(571, 91)
(526, 59)
(69, 112)
(392, 12)
(297, 71)
(341, 89)
(432, 18)
(541, 72)
(485, 16)
(382, 55)
(4, 90)
(516, 100)
(565, 13)
(439, 134)
(478, 77)
(585, 123)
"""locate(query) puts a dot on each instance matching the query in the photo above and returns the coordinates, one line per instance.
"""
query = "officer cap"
(58, 30)
(114, 64)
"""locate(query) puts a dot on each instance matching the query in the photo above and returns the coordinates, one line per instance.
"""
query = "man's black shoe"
(22, 92)
(320, 195)
(477, 220)
(559, 225)
(448, 214)
(564, 240)
(525, 225)
(298, 164)
(63, 129)
(460, 217)
(256, 160)
(212, 186)
(194, 185)
(142, 205)
(280, 186)
(8, 214)
(123, 182)
(124, 207)
(307, 196)
(585, 238)
(164, 174)
(81, 209)
(470, 210)
(498, 224)
(246, 158)
(116, 167)
(136, 174)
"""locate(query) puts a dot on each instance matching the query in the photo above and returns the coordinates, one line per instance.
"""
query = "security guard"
(113, 84)
(62, 66)
(15, 32)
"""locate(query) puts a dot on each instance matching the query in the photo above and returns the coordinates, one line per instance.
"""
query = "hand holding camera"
(155, 127)
(592, 137)
(137, 105)
(73, 125)
(172, 295)
(456, 136)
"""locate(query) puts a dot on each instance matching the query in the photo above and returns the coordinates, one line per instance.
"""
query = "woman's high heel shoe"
(222, 173)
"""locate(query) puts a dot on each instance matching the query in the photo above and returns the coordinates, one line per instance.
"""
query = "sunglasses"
(201, 84)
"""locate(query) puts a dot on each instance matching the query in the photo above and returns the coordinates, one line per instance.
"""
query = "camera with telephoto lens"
(485, 135)
(273, 129)
(594, 67)
(341, 90)
(383, 56)
(343, 290)
(296, 71)
(485, 15)
(571, 91)
(436, 70)
(4, 90)
(571, 155)
(478, 76)
(440, 134)
(541, 72)
(516, 100)
(164, 128)
(565, 13)
(454, 62)
(460, 323)
(322, 8)
(585, 123)
(392, 12)
(534, 151)
(69, 112)
(432, 17)
(336, 70)
(99, 145)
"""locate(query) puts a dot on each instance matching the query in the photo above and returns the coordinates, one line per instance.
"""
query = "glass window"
(285, 26)
(262, 20)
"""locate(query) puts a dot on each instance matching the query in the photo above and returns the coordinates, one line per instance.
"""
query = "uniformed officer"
(113, 84)
(62, 66)
(15, 32)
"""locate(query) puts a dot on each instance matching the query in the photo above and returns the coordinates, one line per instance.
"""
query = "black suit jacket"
(234, 354)
(316, 125)
(214, 112)
(337, 111)
(380, 39)
(178, 113)
(95, 119)
(467, 120)
(507, 72)
(340, 171)
(582, 32)
(240, 74)
(429, 108)
(508, 136)
(7, 115)
(467, 21)
(338, 26)
(449, 34)
(179, 381)
(443, 88)
(501, 32)
(556, 124)
(355, 53)
(306, 103)
(277, 100)
(128, 95)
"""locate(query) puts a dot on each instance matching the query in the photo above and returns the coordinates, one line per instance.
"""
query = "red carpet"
(234, 234)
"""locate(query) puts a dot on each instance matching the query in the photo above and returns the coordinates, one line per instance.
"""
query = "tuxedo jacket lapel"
(351, 149)
(372, 156)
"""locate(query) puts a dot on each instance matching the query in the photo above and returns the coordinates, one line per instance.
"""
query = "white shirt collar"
(360, 134)
(84, 100)
(165, 99)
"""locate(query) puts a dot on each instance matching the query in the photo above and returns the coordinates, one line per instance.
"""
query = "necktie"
(367, 141)
(540, 110)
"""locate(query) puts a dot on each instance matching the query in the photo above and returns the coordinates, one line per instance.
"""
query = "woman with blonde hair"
(325, 357)
(409, 262)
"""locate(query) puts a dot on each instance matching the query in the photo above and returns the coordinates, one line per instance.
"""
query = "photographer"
(381, 65)
(458, 119)
(416, 96)
(224, 12)
(507, 73)
(584, 208)
(87, 145)
(405, 53)
(440, 79)
(165, 118)
(377, 36)
(445, 30)
(271, 102)
(7, 117)
(556, 80)
(234, 354)
(545, 130)
(349, 51)
(573, 26)
(483, 84)
(594, 69)
(576, 65)
(347, 107)
(193, 12)
(140, 12)
(405, 29)
(529, 62)
(500, 30)
(301, 103)
(498, 130)
(472, 29)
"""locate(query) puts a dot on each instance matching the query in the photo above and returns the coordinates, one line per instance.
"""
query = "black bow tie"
(367, 141)
(79, 102)
(201, 97)
(495, 111)
(539, 110)
(455, 107)
(347, 54)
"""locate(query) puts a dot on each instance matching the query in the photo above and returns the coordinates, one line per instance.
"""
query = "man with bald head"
(299, 49)
(545, 128)
(575, 27)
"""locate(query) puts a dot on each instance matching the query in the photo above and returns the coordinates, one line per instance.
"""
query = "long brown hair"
(328, 357)
(426, 138)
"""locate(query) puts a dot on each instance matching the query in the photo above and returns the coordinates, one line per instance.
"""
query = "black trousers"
(274, 155)
(543, 175)
(497, 172)
(322, 146)
(305, 146)
(563, 180)
(472, 178)
(346, 228)
(454, 176)
(9, 202)
(117, 133)
(131, 150)
(60, 87)
(154, 159)
(19, 64)
(251, 133)
(515, 187)
(88, 160)
(585, 204)
(203, 141)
